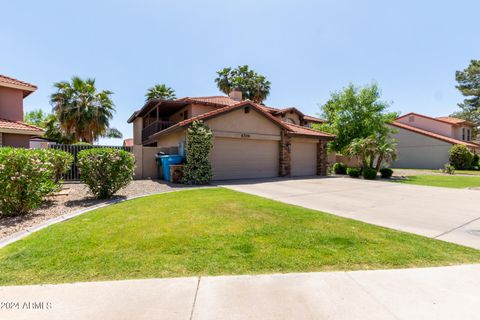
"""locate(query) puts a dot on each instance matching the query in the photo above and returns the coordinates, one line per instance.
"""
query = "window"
(463, 134)
(468, 135)
(185, 115)
(290, 120)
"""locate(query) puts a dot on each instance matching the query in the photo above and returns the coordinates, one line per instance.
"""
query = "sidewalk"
(429, 293)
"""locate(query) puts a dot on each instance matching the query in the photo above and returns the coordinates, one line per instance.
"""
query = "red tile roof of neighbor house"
(14, 83)
(217, 100)
(449, 120)
(434, 135)
(128, 142)
(18, 125)
(294, 129)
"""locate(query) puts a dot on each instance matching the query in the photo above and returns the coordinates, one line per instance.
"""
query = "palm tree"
(386, 151)
(160, 91)
(81, 110)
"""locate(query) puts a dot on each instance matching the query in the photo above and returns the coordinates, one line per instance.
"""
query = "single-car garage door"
(304, 158)
(244, 158)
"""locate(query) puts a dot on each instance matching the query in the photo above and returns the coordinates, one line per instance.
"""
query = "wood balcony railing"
(154, 128)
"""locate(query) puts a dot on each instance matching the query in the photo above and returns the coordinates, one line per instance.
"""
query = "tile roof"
(294, 129)
(11, 82)
(128, 142)
(434, 135)
(18, 125)
(449, 120)
(313, 119)
(453, 120)
(217, 100)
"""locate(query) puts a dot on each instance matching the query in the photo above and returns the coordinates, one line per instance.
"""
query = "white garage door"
(304, 158)
(243, 158)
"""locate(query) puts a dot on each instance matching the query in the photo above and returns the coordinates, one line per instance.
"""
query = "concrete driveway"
(447, 214)
(430, 293)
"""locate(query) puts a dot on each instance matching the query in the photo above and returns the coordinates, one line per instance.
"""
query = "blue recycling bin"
(168, 160)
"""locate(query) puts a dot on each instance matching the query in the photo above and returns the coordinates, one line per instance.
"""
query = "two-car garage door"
(234, 158)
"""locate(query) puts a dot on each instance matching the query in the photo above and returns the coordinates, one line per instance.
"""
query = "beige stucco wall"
(240, 122)
(458, 132)
(11, 104)
(171, 140)
(178, 116)
(294, 116)
(419, 151)
(137, 131)
(15, 140)
(444, 129)
(197, 109)
(145, 163)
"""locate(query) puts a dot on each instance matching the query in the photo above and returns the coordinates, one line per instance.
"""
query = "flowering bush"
(27, 176)
(105, 170)
(197, 169)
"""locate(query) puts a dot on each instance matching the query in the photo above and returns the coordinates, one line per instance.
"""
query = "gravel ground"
(76, 196)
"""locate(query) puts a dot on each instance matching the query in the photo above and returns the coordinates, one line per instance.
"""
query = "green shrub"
(386, 173)
(197, 169)
(369, 173)
(105, 170)
(60, 160)
(460, 157)
(27, 176)
(340, 168)
(475, 160)
(354, 172)
(448, 168)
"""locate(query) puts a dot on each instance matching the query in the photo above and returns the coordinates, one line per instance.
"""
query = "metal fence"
(73, 174)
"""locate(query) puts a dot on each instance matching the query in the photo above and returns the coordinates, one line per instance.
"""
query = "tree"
(253, 86)
(469, 86)
(160, 91)
(355, 113)
(36, 117)
(81, 110)
(373, 151)
(198, 169)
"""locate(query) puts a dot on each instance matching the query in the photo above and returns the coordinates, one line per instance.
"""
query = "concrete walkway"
(442, 213)
(430, 293)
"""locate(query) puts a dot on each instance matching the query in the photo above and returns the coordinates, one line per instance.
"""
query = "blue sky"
(307, 49)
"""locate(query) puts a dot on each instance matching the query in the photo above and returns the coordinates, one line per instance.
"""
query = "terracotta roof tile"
(449, 120)
(313, 119)
(11, 82)
(453, 120)
(434, 135)
(218, 100)
(309, 132)
(18, 125)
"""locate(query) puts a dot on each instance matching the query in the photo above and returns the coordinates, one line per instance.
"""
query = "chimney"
(235, 94)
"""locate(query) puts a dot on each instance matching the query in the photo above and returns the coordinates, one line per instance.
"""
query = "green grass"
(212, 232)
(447, 181)
(469, 172)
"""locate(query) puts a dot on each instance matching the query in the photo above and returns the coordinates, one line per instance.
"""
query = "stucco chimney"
(235, 94)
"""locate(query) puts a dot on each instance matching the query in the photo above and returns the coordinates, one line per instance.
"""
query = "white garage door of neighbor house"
(304, 158)
(243, 158)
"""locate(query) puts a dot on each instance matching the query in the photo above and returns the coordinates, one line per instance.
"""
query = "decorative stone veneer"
(285, 167)
(322, 158)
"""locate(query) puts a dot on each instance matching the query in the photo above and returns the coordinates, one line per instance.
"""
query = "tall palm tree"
(160, 91)
(82, 111)
(386, 151)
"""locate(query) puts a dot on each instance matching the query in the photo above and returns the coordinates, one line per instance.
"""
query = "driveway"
(447, 214)
(430, 293)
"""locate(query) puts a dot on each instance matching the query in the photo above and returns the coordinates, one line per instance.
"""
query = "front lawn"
(447, 181)
(212, 232)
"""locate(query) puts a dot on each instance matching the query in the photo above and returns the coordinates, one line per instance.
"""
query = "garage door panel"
(304, 158)
(243, 158)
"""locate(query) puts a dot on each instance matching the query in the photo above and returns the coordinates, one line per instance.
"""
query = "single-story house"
(424, 142)
(250, 140)
(13, 131)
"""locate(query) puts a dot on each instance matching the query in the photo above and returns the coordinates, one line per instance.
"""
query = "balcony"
(155, 127)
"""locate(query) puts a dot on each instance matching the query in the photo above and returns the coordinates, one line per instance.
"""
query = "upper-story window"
(468, 135)
(463, 134)
(185, 115)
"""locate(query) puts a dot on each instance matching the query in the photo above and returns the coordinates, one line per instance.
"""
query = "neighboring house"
(41, 143)
(250, 140)
(423, 142)
(128, 142)
(13, 131)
